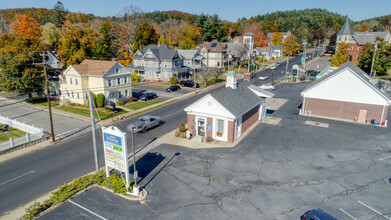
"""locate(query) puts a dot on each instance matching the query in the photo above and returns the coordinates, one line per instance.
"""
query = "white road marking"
(385, 158)
(347, 214)
(171, 114)
(17, 177)
(87, 210)
(373, 209)
(68, 131)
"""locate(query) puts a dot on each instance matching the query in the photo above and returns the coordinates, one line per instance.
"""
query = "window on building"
(77, 95)
(72, 95)
(109, 82)
(218, 63)
(117, 70)
(70, 81)
(119, 81)
(220, 127)
(126, 92)
(76, 82)
(125, 80)
(119, 94)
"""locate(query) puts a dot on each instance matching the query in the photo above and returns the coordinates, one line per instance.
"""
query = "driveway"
(278, 172)
(22, 112)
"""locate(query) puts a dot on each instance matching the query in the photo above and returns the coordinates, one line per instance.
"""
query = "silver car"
(144, 123)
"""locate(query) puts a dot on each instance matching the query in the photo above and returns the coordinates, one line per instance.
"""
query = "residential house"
(214, 53)
(269, 52)
(227, 113)
(192, 59)
(110, 78)
(347, 93)
(159, 62)
(357, 39)
(237, 51)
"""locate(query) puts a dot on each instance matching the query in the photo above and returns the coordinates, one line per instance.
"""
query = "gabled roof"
(263, 49)
(189, 54)
(162, 52)
(275, 47)
(346, 29)
(238, 100)
(248, 34)
(236, 49)
(368, 37)
(213, 46)
(357, 72)
(94, 67)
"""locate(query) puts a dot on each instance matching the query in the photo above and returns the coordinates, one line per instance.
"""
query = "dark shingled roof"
(162, 52)
(346, 29)
(238, 100)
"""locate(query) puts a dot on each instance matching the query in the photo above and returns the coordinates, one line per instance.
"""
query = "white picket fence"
(22, 126)
(18, 141)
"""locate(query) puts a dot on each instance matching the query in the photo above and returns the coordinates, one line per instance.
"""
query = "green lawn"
(12, 133)
(52, 103)
(86, 113)
(141, 104)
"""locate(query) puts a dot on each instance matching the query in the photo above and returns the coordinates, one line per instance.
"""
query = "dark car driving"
(311, 73)
(173, 88)
(188, 83)
(148, 96)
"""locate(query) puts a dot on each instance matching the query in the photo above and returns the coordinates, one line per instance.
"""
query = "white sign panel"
(115, 149)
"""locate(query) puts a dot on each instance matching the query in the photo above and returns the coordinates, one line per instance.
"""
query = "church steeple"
(346, 29)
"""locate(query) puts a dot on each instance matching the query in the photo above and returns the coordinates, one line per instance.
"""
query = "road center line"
(384, 158)
(172, 114)
(68, 131)
(373, 209)
(347, 214)
(87, 210)
(15, 178)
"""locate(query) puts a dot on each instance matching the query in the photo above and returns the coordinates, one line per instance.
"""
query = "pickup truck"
(188, 83)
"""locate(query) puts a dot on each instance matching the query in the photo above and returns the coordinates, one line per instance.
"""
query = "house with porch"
(227, 113)
(269, 52)
(110, 78)
(159, 62)
(214, 53)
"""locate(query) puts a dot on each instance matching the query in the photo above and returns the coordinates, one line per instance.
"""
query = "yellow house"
(110, 78)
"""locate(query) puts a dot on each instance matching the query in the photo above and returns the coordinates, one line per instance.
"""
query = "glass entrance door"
(201, 127)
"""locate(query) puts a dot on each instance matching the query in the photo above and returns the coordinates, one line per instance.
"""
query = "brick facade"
(191, 124)
(249, 118)
(231, 131)
(342, 110)
(353, 51)
(209, 121)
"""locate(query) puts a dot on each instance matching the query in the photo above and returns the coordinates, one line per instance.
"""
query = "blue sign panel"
(209, 127)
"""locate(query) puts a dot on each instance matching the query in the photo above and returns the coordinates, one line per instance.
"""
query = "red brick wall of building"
(249, 118)
(231, 131)
(209, 121)
(342, 110)
(353, 51)
(191, 124)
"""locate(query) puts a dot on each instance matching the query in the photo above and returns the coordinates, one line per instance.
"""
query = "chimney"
(140, 47)
(231, 80)
(247, 76)
(158, 43)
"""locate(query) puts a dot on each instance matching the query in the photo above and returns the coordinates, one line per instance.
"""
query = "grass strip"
(12, 133)
(141, 104)
(86, 112)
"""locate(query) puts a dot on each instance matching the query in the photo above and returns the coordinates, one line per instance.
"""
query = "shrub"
(183, 134)
(121, 103)
(182, 127)
(173, 80)
(107, 110)
(273, 58)
(131, 99)
(100, 100)
(93, 99)
(116, 183)
(177, 133)
(134, 77)
(293, 79)
(208, 139)
(302, 78)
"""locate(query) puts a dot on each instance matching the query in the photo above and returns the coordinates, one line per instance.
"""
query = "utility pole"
(48, 96)
(135, 174)
(305, 56)
(373, 60)
(93, 130)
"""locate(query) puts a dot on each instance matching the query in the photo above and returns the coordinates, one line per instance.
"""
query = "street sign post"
(302, 60)
(115, 149)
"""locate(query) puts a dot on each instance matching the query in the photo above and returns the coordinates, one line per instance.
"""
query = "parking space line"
(347, 214)
(385, 158)
(87, 210)
(373, 210)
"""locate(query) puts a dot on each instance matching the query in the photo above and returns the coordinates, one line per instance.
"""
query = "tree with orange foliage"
(25, 25)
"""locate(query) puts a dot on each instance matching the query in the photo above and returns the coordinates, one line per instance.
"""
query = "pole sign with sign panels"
(115, 149)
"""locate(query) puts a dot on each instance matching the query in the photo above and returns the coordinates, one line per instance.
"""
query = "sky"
(229, 10)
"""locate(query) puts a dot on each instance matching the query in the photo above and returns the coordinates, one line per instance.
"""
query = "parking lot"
(278, 172)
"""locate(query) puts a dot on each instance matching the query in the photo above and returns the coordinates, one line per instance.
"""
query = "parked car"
(144, 123)
(317, 214)
(263, 77)
(278, 64)
(173, 88)
(273, 67)
(188, 83)
(311, 73)
(148, 96)
(267, 87)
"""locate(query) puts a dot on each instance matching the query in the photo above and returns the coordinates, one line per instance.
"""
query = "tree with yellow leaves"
(341, 56)
(291, 45)
(277, 39)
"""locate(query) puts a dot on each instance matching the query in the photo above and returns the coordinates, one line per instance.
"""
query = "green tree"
(100, 100)
(277, 39)
(212, 28)
(60, 14)
(341, 56)
(365, 57)
(145, 36)
(134, 77)
(18, 52)
(50, 35)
